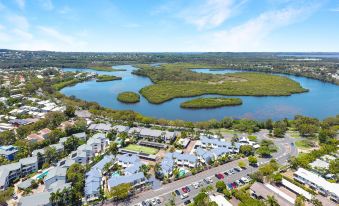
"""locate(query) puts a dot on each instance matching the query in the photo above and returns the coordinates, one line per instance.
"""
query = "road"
(286, 149)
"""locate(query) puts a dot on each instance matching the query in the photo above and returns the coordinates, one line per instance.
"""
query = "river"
(321, 101)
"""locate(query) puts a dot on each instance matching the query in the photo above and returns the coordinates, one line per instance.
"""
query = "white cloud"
(47, 5)
(22, 34)
(18, 21)
(65, 10)
(58, 41)
(53, 33)
(210, 13)
(251, 35)
(335, 9)
(21, 3)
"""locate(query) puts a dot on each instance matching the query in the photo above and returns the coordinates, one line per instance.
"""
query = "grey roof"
(63, 140)
(117, 180)
(151, 132)
(206, 155)
(83, 113)
(134, 168)
(220, 151)
(128, 158)
(35, 152)
(93, 140)
(93, 181)
(57, 146)
(100, 126)
(66, 162)
(99, 136)
(58, 185)
(84, 147)
(81, 135)
(38, 199)
(120, 128)
(25, 184)
(100, 165)
(167, 165)
(56, 172)
(6, 169)
(218, 142)
(29, 160)
(184, 157)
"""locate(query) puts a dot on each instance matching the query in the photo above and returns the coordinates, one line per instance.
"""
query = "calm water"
(322, 100)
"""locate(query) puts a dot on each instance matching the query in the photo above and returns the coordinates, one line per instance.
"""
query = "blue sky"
(170, 25)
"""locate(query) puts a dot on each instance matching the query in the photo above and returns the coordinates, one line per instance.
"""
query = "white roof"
(220, 200)
(296, 189)
(318, 180)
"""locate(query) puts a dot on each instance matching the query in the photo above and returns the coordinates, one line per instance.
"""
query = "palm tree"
(271, 201)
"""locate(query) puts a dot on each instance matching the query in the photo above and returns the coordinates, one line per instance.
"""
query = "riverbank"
(104, 68)
(203, 103)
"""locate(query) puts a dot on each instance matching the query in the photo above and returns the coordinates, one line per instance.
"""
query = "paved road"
(285, 150)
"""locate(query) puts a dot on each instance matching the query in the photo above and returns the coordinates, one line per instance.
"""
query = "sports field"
(138, 148)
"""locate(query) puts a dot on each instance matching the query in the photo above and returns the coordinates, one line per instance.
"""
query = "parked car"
(188, 189)
(177, 192)
(238, 183)
(154, 201)
(143, 203)
(206, 181)
(184, 189)
(158, 200)
(187, 202)
(195, 185)
(209, 179)
(226, 173)
(183, 196)
(229, 186)
(234, 185)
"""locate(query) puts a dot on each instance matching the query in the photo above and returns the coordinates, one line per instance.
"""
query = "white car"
(154, 201)
(183, 196)
(210, 179)
(195, 185)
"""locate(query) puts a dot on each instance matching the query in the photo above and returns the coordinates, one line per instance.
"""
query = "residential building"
(8, 151)
(136, 180)
(261, 192)
(38, 199)
(54, 175)
(153, 134)
(211, 143)
(101, 127)
(317, 182)
(12, 171)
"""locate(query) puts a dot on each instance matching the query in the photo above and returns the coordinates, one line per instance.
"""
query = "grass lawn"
(138, 148)
(305, 144)
(294, 134)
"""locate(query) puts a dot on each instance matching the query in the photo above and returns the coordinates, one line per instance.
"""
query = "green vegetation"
(305, 143)
(128, 97)
(64, 84)
(139, 148)
(104, 68)
(177, 80)
(106, 78)
(210, 102)
(120, 192)
(6, 195)
(303, 159)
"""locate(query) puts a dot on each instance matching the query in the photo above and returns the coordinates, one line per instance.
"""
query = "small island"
(213, 102)
(106, 78)
(128, 97)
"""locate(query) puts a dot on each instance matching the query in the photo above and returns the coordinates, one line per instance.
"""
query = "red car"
(219, 176)
(234, 185)
(184, 189)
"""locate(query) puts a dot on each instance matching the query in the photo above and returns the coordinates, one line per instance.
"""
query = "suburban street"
(286, 149)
